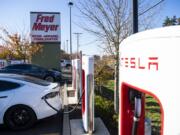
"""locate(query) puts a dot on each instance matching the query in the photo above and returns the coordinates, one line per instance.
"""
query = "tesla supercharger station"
(88, 93)
(73, 92)
(149, 64)
(76, 75)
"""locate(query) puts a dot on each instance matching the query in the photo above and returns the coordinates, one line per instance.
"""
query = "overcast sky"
(15, 17)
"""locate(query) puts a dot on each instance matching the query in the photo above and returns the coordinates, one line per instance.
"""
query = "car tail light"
(51, 95)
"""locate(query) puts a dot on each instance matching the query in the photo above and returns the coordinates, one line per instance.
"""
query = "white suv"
(65, 63)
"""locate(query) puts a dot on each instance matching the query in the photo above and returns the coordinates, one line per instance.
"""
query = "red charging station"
(88, 93)
(128, 111)
(74, 91)
(76, 74)
(149, 64)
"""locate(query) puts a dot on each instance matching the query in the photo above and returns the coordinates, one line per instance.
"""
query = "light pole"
(70, 6)
(77, 35)
(67, 44)
(135, 16)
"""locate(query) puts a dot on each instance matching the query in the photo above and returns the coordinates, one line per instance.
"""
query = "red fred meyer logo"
(150, 63)
(38, 26)
(45, 26)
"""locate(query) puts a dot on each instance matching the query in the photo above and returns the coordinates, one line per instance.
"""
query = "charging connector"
(136, 99)
(59, 111)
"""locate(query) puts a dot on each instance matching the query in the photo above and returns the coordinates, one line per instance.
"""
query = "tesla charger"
(149, 63)
(75, 74)
(87, 86)
(74, 90)
(88, 93)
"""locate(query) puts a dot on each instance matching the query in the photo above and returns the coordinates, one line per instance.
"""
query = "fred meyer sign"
(45, 27)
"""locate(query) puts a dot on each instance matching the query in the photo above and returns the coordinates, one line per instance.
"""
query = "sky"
(15, 17)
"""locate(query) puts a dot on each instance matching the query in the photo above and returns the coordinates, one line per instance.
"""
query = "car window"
(9, 67)
(6, 85)
(35, 80)
(18, 66)
(36, 68)
(27, 79)
(30, 79)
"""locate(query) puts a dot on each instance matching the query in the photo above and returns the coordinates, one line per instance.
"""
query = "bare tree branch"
(110, 22)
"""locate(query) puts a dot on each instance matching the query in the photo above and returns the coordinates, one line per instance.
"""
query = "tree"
(102, 73)
(17, 47)
(4, 53)
(167, 21)
(171, 21)
(110, 22)
(178, 21)
(174, 20)
(64, 55)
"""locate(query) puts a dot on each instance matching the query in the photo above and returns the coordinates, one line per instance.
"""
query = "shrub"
(105, 109)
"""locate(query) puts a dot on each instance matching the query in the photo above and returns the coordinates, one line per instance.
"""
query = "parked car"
(66, 63)
(22, 100)
(33, 70)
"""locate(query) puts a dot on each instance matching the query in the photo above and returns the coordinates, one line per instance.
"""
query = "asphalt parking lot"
(49, 126)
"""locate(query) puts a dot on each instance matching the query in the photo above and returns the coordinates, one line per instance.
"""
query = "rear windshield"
(35, 80)
(28, 79)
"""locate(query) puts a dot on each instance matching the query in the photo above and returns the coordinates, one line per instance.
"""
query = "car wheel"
(49, 78)
(19, 117)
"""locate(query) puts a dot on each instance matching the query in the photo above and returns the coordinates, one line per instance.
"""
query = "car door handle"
(3, 96)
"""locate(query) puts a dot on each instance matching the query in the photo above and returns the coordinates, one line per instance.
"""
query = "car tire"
(49, 79)
(19, 117)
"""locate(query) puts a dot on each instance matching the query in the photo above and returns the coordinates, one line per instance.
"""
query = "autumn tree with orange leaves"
(17, 46)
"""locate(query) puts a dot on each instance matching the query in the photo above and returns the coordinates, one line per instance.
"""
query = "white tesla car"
(22, 100)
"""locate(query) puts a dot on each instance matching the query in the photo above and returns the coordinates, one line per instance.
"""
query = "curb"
(66, 123)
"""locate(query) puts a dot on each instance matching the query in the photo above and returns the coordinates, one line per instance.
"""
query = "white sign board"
(45, 26)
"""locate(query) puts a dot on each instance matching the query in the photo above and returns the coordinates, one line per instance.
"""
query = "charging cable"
(45, 100)
(59, 111)
(79, 100)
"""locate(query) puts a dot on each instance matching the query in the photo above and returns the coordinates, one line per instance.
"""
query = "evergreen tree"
(167, 21)
(174, 20)
(171, 21)
(178, 21)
